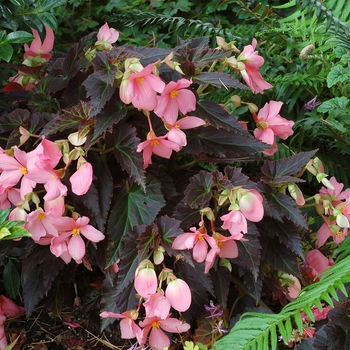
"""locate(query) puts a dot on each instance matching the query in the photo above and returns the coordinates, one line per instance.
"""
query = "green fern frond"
(260, 331)
(189, 27)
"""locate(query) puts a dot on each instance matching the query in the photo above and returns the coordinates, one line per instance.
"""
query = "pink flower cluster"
(21, 173)
(157, 307)
(35, 55)
(7, 309)
(141, 86)
(245, 205)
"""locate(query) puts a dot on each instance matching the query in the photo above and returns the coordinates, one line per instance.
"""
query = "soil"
(71, 331)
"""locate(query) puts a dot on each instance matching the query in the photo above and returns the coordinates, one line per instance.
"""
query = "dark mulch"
(43, 331)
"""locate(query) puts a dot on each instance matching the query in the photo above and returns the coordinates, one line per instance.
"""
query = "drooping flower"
(128, 328)
(81, 180)
(39, 224)
(176, 134)
(249, 63)
(179, 294)
(106, 36)
(157, 145)
(157, 305)
(269, 124)
(37, 48)
(316, 263)
(236, 223)
(154, 326)
(250, 204)
(145, 281)
(174, 98)
(198, 240)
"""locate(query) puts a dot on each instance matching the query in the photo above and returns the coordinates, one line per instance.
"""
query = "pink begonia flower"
(39, 224)
(106, 37)
(55, 207)
(236, 223)
(330, 229)
(175, 98)
(72, 230)
(197, 240)
(81, 180)
(145, 281)
(179, 294)
(336, 195)
(176, 134)
(316, 263)
(3, 340)
(128, 328)
(292, 284)
(157, 305)
(157, 145)
(249, 63)
(9, 308)
(250, 204)
(143, 87)
(269, 124)
(9, 196)
(158, 340)
(37, 48)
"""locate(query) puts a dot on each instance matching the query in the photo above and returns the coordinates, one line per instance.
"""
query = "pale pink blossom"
(9, 196)
(154, 326)
(250, 204)
(143, 87)
(70, 231)
(157, 305)
(198, 240)
(156, 145)
(330, 229)
(175, 98)
(55, 207)
(145, 281)
(39, 224)
(236, 223)
(106, 36)
(269, 124)
(179, 294)
(37, 48)
(336, 194)
(128, 328)
(175, 132)
(316, 263)
(81, 180)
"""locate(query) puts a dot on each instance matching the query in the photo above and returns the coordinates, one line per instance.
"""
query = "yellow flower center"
(262, 125)
(155, 324)
(200, 237)
(174, 93)
(220, 243)
(23, 170)
(41, 216)
(155, 142)
(140, 79)
(75, 232)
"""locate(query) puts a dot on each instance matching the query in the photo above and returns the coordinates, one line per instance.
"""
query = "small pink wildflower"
(269, 124)
(174, 98)
(37, 48)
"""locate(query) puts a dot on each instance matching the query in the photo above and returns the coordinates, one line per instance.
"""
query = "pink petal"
(158, 340)
(186, 101)
(76, 248)
(200, 250)
(81, 180)
(189, 122)
(145, 282)
(91, 233)
(9, 308)
(47, 45)
(173, 325)
(228, 250)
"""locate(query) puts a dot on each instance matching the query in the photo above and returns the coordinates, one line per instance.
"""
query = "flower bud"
(236, 100)
(179, 294)
(145, 281)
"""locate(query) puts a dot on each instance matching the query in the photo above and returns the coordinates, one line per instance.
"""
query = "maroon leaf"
(103, 67)
(14, 119)
(199, 191)
(218, 80)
